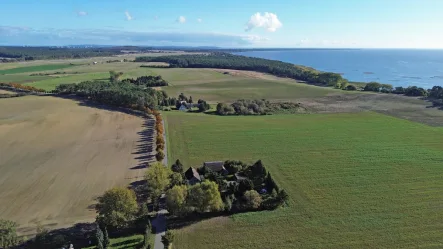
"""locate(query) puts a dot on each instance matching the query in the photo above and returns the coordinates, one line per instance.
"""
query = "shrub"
(167, 239)
(351, 88)
(252, 199)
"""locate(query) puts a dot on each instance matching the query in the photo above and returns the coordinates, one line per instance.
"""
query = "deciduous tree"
(205, 197)
(8, 234)
(176, 199)
(117, 207)
(157, 177)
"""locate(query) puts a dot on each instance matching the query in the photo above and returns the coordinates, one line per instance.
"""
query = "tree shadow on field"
(174, 222)
(145, 145)
(91, 104)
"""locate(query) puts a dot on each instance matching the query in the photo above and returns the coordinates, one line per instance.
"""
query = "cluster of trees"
(160, 140)
(177, 102)
(256, 107)
(115, 76)
(255, 189)
(115, 94)
(21, 87)
(230, 61)
(413, 91)
(148, 81)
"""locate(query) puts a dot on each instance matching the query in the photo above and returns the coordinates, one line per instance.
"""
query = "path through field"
(57, 157)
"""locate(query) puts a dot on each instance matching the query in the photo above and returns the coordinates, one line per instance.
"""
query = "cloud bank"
(58, 37)
(268, 21)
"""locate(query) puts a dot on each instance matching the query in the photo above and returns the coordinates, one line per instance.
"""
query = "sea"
(398, 67)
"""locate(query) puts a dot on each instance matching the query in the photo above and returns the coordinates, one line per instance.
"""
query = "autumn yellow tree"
(176, 199)
(157, 179)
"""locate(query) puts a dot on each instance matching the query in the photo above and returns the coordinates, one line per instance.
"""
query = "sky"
(224, 23)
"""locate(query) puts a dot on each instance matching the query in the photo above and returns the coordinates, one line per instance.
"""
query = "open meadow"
(58, 155)
(355, 180)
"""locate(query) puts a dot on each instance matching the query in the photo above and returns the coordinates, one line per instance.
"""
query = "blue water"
(422, 68)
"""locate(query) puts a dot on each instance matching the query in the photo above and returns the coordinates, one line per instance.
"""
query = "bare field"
(57, 157)
(6, 92)
(410, 108)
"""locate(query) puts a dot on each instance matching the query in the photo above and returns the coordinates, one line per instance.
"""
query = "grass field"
(356, 180)
(38, 68)
(57, 156)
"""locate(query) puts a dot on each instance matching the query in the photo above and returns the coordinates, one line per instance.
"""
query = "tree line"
(118, 94)
(20, 87)
(42, 53)
(230, 61)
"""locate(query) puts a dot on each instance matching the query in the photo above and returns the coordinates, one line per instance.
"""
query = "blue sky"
(225, 23)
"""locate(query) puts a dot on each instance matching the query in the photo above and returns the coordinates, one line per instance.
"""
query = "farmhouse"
(216, 166)
(192, 176)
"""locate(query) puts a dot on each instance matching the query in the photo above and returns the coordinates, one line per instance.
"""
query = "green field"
(37, 68)
(130, 242)
(360, 180)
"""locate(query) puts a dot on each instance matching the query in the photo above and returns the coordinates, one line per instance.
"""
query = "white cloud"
(128, 16)
(82, 13)
(155, 17)
(268, 21)
(181, 19)
(199, 20)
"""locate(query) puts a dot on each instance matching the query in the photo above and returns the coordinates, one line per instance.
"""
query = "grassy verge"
(361, 180)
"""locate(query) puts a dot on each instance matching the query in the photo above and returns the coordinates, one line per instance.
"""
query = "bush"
(252, 199)
(167, 239)
(351, 88)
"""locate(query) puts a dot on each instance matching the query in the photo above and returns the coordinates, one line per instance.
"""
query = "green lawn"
(21, 78)
(52, 83)
(358, 180)
(130, 242)
(37, 68)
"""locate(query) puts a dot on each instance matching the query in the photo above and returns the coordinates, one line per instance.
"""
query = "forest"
(43, 53)
(230, 61)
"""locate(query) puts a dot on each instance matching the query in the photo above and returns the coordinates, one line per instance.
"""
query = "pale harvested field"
(57, 157)
(6, 92)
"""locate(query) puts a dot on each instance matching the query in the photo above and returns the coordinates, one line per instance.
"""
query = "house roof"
(192, 173)
(216, 166)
